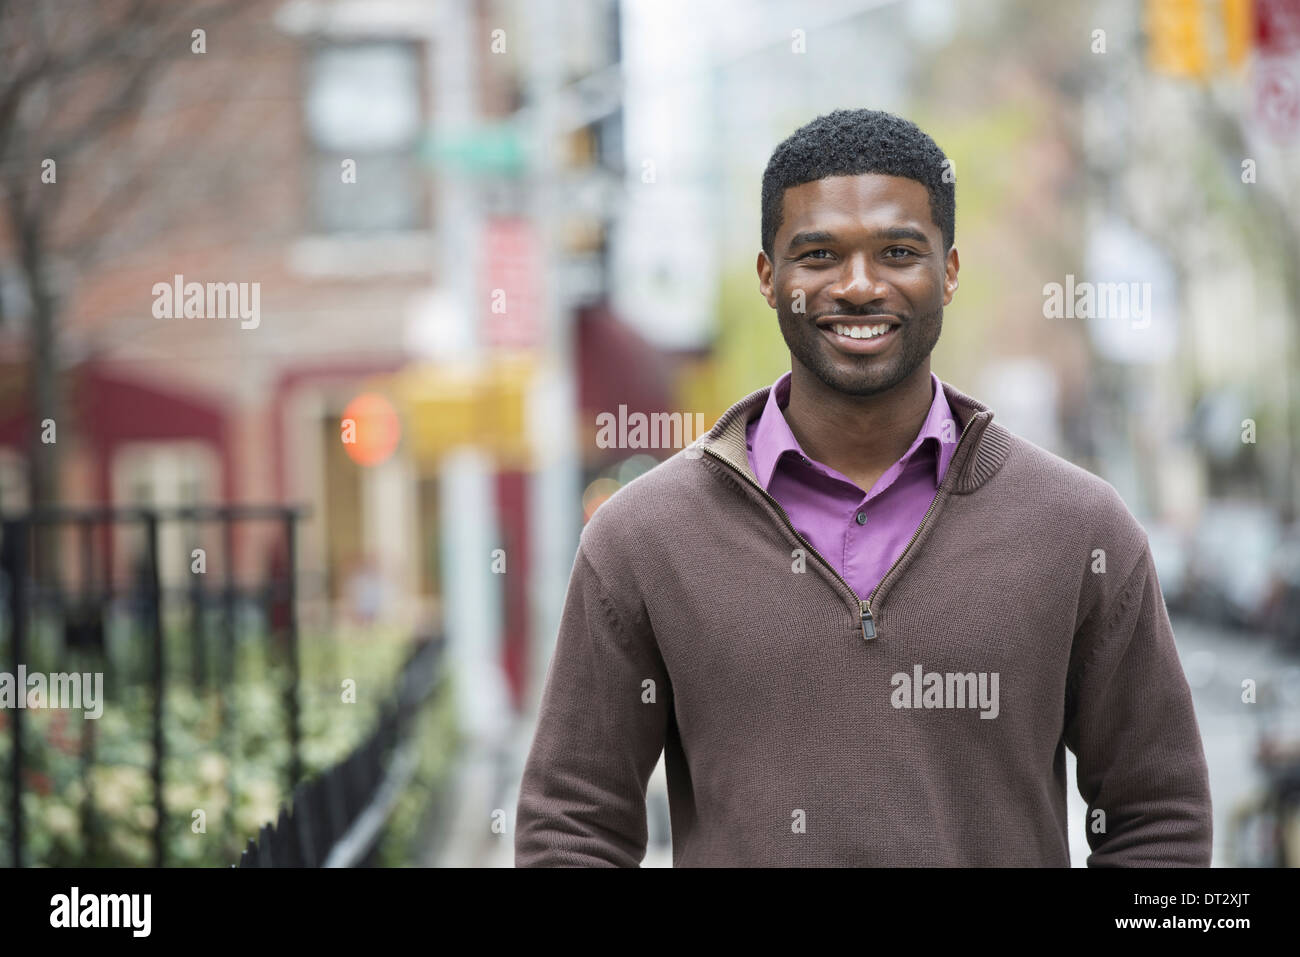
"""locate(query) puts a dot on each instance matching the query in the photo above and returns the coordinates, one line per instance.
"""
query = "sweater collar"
(974, 461)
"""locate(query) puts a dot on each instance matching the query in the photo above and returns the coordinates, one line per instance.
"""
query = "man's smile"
(860, 335)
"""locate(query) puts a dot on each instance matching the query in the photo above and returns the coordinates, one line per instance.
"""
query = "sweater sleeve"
(1130, 722)
(601, 728)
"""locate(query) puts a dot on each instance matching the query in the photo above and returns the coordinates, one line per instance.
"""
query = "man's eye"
(813, 253)
(905, 252)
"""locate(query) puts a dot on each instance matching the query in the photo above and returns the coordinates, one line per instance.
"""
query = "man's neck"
(858, 436)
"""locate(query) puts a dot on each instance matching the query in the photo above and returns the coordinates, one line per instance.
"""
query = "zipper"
(864, 607)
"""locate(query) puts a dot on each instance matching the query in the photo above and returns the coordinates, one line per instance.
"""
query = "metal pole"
(556, 489)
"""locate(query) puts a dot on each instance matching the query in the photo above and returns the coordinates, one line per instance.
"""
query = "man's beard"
(860, 375)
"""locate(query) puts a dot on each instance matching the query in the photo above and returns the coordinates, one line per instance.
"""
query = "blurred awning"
(616, 366)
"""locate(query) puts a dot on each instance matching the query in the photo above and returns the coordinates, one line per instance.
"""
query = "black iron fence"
(74, 601)
(336, 818)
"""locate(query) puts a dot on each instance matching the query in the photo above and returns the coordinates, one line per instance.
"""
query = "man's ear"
(950, 275)
(765, 279)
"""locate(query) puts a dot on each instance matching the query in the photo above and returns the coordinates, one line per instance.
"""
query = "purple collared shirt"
(860, 533)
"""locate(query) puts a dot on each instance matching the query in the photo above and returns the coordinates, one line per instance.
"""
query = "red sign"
(512, 272)
(1277, 26)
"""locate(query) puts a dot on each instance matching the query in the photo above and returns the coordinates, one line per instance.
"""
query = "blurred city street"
(327, 326)
(1217, 661)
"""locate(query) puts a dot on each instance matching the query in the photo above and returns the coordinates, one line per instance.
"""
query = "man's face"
(865, 253)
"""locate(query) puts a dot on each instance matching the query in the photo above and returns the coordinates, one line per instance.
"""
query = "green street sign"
(490, 150)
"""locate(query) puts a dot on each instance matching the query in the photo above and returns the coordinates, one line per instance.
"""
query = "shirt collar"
(771, 437)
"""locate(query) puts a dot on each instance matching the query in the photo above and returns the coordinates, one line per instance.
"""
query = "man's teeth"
(862, 332)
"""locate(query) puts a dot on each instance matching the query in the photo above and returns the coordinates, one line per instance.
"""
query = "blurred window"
(363, 103)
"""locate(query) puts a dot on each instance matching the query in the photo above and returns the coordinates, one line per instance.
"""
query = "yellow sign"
(1191, 39)
(452, 406)
(1176, 38)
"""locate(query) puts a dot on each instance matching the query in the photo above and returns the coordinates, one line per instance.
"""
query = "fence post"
(93, 606)
(226, 662)
(291, 597)
(153, 610)
(198, 642)
(14, 560)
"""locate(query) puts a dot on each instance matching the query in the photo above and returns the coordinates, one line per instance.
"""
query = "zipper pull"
(868, 623)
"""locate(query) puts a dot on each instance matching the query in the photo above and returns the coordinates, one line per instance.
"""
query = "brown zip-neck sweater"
(802, 727)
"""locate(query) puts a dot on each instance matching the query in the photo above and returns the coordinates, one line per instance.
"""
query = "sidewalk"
(487, 787)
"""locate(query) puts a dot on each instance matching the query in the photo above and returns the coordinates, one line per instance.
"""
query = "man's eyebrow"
(892, 233)
(812, 236)
(903, 232)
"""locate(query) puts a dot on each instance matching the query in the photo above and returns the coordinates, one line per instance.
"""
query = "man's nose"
(857, 283)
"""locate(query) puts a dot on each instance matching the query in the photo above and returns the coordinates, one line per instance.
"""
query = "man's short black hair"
(852, 142)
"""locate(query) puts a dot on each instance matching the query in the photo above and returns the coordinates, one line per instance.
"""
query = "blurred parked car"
(1282, 606)
(1169, 551)
(1231, 563)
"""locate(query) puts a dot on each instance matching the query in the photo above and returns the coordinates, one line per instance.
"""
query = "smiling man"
(861, 620)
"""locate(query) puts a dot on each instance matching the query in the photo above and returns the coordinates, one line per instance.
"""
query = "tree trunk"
(43, 467)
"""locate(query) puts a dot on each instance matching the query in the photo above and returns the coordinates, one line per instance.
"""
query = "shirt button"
(862, 518)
